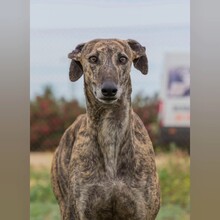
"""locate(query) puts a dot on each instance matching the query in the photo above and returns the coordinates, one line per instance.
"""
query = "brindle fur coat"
(104, 167)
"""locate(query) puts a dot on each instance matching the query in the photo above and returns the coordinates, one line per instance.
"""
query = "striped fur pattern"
(104, 167)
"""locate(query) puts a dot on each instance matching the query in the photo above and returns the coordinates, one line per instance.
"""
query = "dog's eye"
(93, 59)
(123, 59)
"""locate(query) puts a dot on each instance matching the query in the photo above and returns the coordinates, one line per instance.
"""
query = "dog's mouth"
(108, 100)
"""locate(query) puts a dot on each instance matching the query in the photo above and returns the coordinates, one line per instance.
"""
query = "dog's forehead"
(106, 45)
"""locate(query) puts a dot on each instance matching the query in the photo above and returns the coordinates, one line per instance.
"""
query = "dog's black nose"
(109, 89)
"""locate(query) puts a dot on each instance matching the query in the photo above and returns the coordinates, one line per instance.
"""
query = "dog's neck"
(110, 124)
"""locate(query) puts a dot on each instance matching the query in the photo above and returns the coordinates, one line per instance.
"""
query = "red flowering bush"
(49, 118)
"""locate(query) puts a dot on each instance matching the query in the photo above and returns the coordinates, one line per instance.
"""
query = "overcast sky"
(102, 13)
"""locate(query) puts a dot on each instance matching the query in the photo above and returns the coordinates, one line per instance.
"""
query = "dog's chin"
(107, 101)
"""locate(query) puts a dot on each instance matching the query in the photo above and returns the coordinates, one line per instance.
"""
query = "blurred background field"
(173, 168)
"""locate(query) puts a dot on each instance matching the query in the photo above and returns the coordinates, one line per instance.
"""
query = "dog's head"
(106, 64)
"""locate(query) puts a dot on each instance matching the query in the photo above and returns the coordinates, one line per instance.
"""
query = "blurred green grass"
(174, 173)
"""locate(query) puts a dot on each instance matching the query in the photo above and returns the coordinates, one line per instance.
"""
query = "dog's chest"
(97, 154)
(110, 138)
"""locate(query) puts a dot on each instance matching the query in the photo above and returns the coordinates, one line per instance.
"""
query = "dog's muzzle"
(108, 93)
(109, 90)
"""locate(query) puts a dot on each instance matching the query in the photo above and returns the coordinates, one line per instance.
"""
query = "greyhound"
(104, 167)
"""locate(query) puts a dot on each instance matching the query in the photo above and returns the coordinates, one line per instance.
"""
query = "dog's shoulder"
(142, 139)
(143, 148)
(138, 125)
(70, 133)
(74, 127)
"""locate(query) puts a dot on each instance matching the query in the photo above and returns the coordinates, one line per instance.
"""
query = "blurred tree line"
(50, 117)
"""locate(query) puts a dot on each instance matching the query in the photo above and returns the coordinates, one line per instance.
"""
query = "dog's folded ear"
(76, 70)
(140, 60)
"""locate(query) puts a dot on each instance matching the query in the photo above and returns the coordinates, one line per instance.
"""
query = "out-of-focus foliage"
(50, 117)
(40, 185)
(175, 185)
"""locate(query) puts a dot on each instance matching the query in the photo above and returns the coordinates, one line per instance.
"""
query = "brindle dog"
(104, 166)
